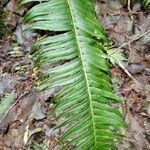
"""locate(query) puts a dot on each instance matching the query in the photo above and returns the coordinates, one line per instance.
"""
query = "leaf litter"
(29, 124)
(130, 32)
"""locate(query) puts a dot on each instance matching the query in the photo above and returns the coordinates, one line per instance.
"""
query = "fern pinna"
(86, 96)
(147, 3)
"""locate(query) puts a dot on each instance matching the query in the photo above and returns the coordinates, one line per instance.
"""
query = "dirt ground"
(29, 122)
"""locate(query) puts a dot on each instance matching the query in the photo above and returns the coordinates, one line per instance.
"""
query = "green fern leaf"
(116, 56)
(147, 2)
(86, 93)
(5, 103)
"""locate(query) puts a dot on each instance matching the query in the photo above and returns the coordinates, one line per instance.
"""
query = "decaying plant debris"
(28, 123)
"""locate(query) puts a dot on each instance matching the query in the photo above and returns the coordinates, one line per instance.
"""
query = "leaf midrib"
(84, 70)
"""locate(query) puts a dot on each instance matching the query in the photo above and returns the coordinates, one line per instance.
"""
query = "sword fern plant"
(146, 3)
(86, 97)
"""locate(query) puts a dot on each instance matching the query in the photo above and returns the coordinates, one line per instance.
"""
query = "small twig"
(129, 4)
(129, 9)
(126, 71)
(136, 38)
(128, 43)
(139, 12)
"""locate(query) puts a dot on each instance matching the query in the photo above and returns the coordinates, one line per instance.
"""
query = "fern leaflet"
(86, 93)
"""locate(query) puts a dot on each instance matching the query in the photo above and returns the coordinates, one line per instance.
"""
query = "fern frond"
(116, 56)
(86, 93)
(5, 103)
(146, 3)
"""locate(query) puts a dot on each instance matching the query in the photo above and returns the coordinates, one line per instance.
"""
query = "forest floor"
(28, 122)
